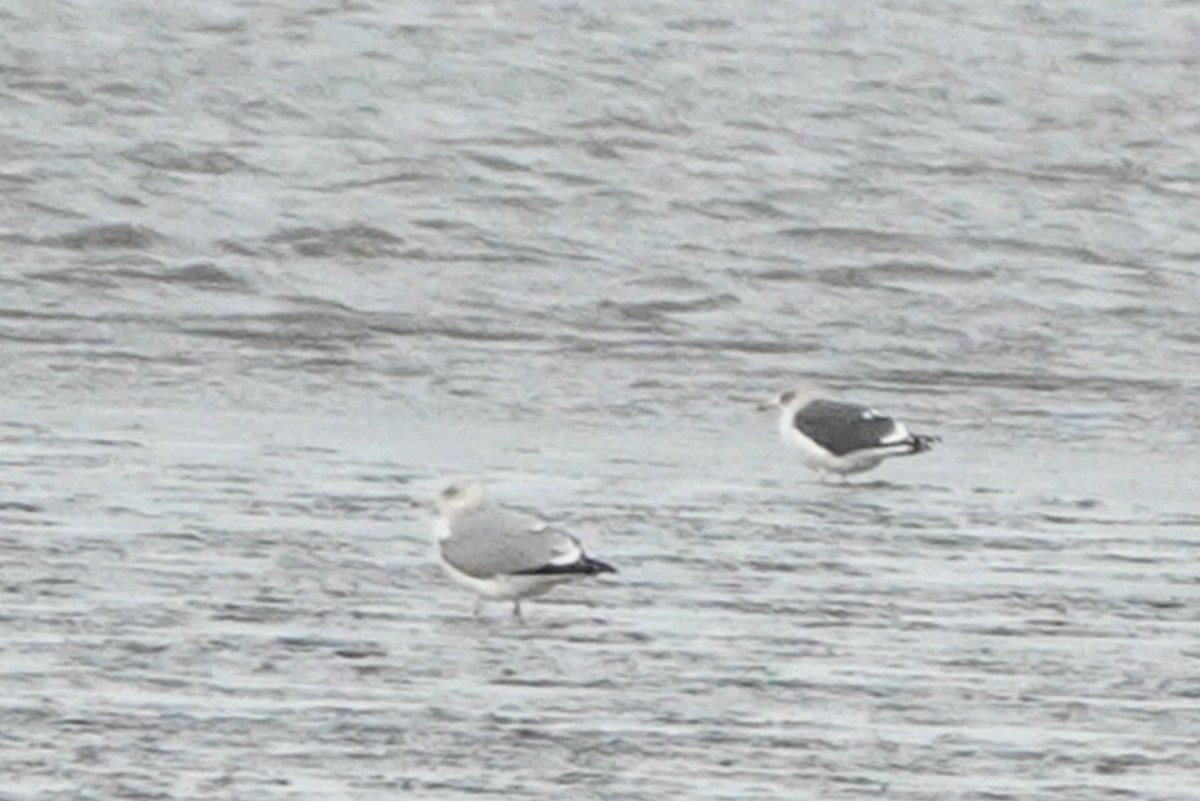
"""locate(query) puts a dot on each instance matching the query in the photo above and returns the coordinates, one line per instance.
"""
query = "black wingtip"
(923, 442)
(587, 566)
(599, 567)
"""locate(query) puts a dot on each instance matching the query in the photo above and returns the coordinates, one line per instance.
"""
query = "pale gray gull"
(500, 554)
(841, 438)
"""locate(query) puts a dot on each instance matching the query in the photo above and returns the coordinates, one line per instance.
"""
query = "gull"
(500, 554)
(841, 438)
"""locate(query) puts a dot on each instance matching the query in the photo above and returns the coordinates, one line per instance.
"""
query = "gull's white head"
(457, 498)
(791, 399)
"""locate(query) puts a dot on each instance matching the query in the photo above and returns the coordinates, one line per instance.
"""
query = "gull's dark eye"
(786, 398)
(449, 492)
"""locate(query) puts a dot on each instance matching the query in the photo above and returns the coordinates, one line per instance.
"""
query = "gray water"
(271, 270)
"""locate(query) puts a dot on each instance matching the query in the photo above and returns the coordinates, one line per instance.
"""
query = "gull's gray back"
(491, 540)
(842, 428)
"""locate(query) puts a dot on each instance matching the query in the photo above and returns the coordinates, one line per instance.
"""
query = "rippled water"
(273, 269)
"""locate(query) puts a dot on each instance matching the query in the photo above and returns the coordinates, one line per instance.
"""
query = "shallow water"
(272, 270)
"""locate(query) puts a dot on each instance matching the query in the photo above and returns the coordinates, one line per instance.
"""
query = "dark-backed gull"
(841, 438)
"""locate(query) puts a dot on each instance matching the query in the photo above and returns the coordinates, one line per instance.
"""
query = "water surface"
(272, 270)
